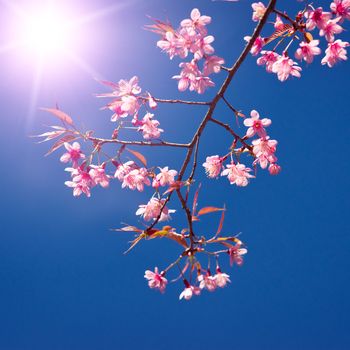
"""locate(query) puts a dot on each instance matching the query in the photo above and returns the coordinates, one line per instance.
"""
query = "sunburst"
(48, 33)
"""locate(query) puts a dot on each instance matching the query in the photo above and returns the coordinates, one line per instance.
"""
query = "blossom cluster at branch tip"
(83, 176)
(328, 24)
(156, 280)
(262, 148)
(154, 208)
(191, 39)
(127, 101)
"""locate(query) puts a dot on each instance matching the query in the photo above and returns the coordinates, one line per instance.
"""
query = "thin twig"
(233, 133)
(138, 143)
(194, 161)
(229, 105)
(161, 100)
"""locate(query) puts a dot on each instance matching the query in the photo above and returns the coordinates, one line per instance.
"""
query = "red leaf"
(174, 186)
(135, 241)
(177, 238)
(195, 200)
(207, 210)
(280, 32)
(59, 114)
(139, 156)
(128, 229)
(220, 223)
(60, 142)
(50, 135)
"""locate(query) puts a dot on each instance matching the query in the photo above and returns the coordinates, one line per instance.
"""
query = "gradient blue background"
(64, 282)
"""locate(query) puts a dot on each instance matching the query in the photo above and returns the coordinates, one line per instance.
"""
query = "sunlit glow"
(46, 32)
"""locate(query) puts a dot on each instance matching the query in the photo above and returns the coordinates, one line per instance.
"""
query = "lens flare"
(45, 33)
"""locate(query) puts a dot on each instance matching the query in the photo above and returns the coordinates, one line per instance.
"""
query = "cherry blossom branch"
(233, 133)
(284, 15)
(232, 71)
(191, 39)
(220, 95)
(102, 141)
(194, 161)
(229, 105)
(160, 100)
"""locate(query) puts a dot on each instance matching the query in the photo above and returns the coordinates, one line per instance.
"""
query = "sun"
(46, 32)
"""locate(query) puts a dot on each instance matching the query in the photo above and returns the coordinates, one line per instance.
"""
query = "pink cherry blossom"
(284, 67)
(136, 179)
(151, 101)
(335, 52)
(197, 21)
(165, 177)
(341, 8)
(130, 104)
(278, 23)
(316, 18)
(257, 46)
(212, 64)
(81, 181)
(207, 281)
(264, 150)
(221, 278)
(170, 45)
(122, 88)
(268, 58)
(156, 280)
(124, 106)
(202, 83)
(237, 174)
(202, 47)
(151, 210)
(307, 51)
(255, 125)
(115, 106)
(330, 28)
(236, 254)
(132, 176)
(274, 169)
(73, 155)
(99, 176)
(124, 169)
(188, 76)
(259, 11)
(189, 291)
(213, 166)
(149, 127)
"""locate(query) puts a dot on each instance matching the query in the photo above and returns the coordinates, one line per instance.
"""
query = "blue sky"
(64, 282)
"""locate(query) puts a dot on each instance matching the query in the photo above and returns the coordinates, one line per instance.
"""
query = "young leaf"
(60, 115)
(207, 210)
(195, 200)
(135, 241)
(287, 29)
(60, 142)
(139, 156)
(221, 223)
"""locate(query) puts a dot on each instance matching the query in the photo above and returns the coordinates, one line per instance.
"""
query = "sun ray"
(84, 66)
(10, 46)
(33, 102)
(103, 12)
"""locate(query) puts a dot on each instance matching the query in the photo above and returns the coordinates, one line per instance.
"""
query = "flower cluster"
(328, 25)
(84, 176)
(127, 101)
(262, 149)
(191, 39)
(204, 279)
